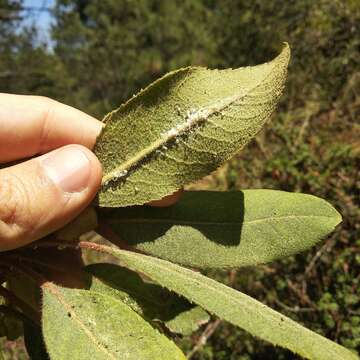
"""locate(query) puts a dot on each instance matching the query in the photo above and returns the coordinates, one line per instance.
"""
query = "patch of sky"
(38, 13)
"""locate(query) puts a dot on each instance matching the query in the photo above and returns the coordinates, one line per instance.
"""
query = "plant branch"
(294, 309)
(211, 327)
(209, 330)
(60, 245)
(326, 247)
(304, 298)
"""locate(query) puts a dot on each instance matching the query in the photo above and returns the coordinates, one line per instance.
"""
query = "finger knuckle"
(15, 212)
(46, 101)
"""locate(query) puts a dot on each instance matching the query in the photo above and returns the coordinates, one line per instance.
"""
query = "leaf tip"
(337, 217)
(286, 50)
(284, 56)
(334, 214)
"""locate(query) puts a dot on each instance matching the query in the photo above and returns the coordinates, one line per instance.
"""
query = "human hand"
(40, 195)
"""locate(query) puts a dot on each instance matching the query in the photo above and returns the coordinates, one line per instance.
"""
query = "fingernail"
(69, 168)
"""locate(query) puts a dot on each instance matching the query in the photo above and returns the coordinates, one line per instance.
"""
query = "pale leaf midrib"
(219, 223)
(159, 143)
(246, 301)
(115, 299)
(52, 289)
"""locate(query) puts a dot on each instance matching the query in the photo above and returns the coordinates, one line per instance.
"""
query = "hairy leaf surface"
(188, 321)
(182, 127)
(83, 325)
(236, 307)
(208, 229)
(150, 300)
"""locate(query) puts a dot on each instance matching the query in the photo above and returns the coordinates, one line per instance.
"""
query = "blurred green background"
(94, 54)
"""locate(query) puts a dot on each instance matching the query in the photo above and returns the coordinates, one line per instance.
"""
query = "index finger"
(31, 125)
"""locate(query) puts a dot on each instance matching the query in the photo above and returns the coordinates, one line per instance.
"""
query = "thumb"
(43, 194)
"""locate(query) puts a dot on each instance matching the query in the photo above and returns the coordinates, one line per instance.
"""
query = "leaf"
(83, 223)
(235, 307)
(148, 299)
(208, 229)
(182, 127)
(188, 321)
(82, 325)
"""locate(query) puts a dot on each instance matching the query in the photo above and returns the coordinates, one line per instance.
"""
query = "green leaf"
(83, 223)
(188, 321)
(235, 307)
(148, 299)
(82, 325)
(182, 127)
(208, 229)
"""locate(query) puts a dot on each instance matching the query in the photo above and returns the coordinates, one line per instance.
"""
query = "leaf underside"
(236, 307)
(208, 229)
(182, 127)
(83, 325)
(149, 300)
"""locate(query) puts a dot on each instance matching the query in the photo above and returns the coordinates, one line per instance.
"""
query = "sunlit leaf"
(83, 325)
(188, 321)
(236, 307)
(150, 300)
(182, 127)
(226, 229)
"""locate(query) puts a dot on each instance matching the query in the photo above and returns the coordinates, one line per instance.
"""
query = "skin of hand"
(41, 195)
